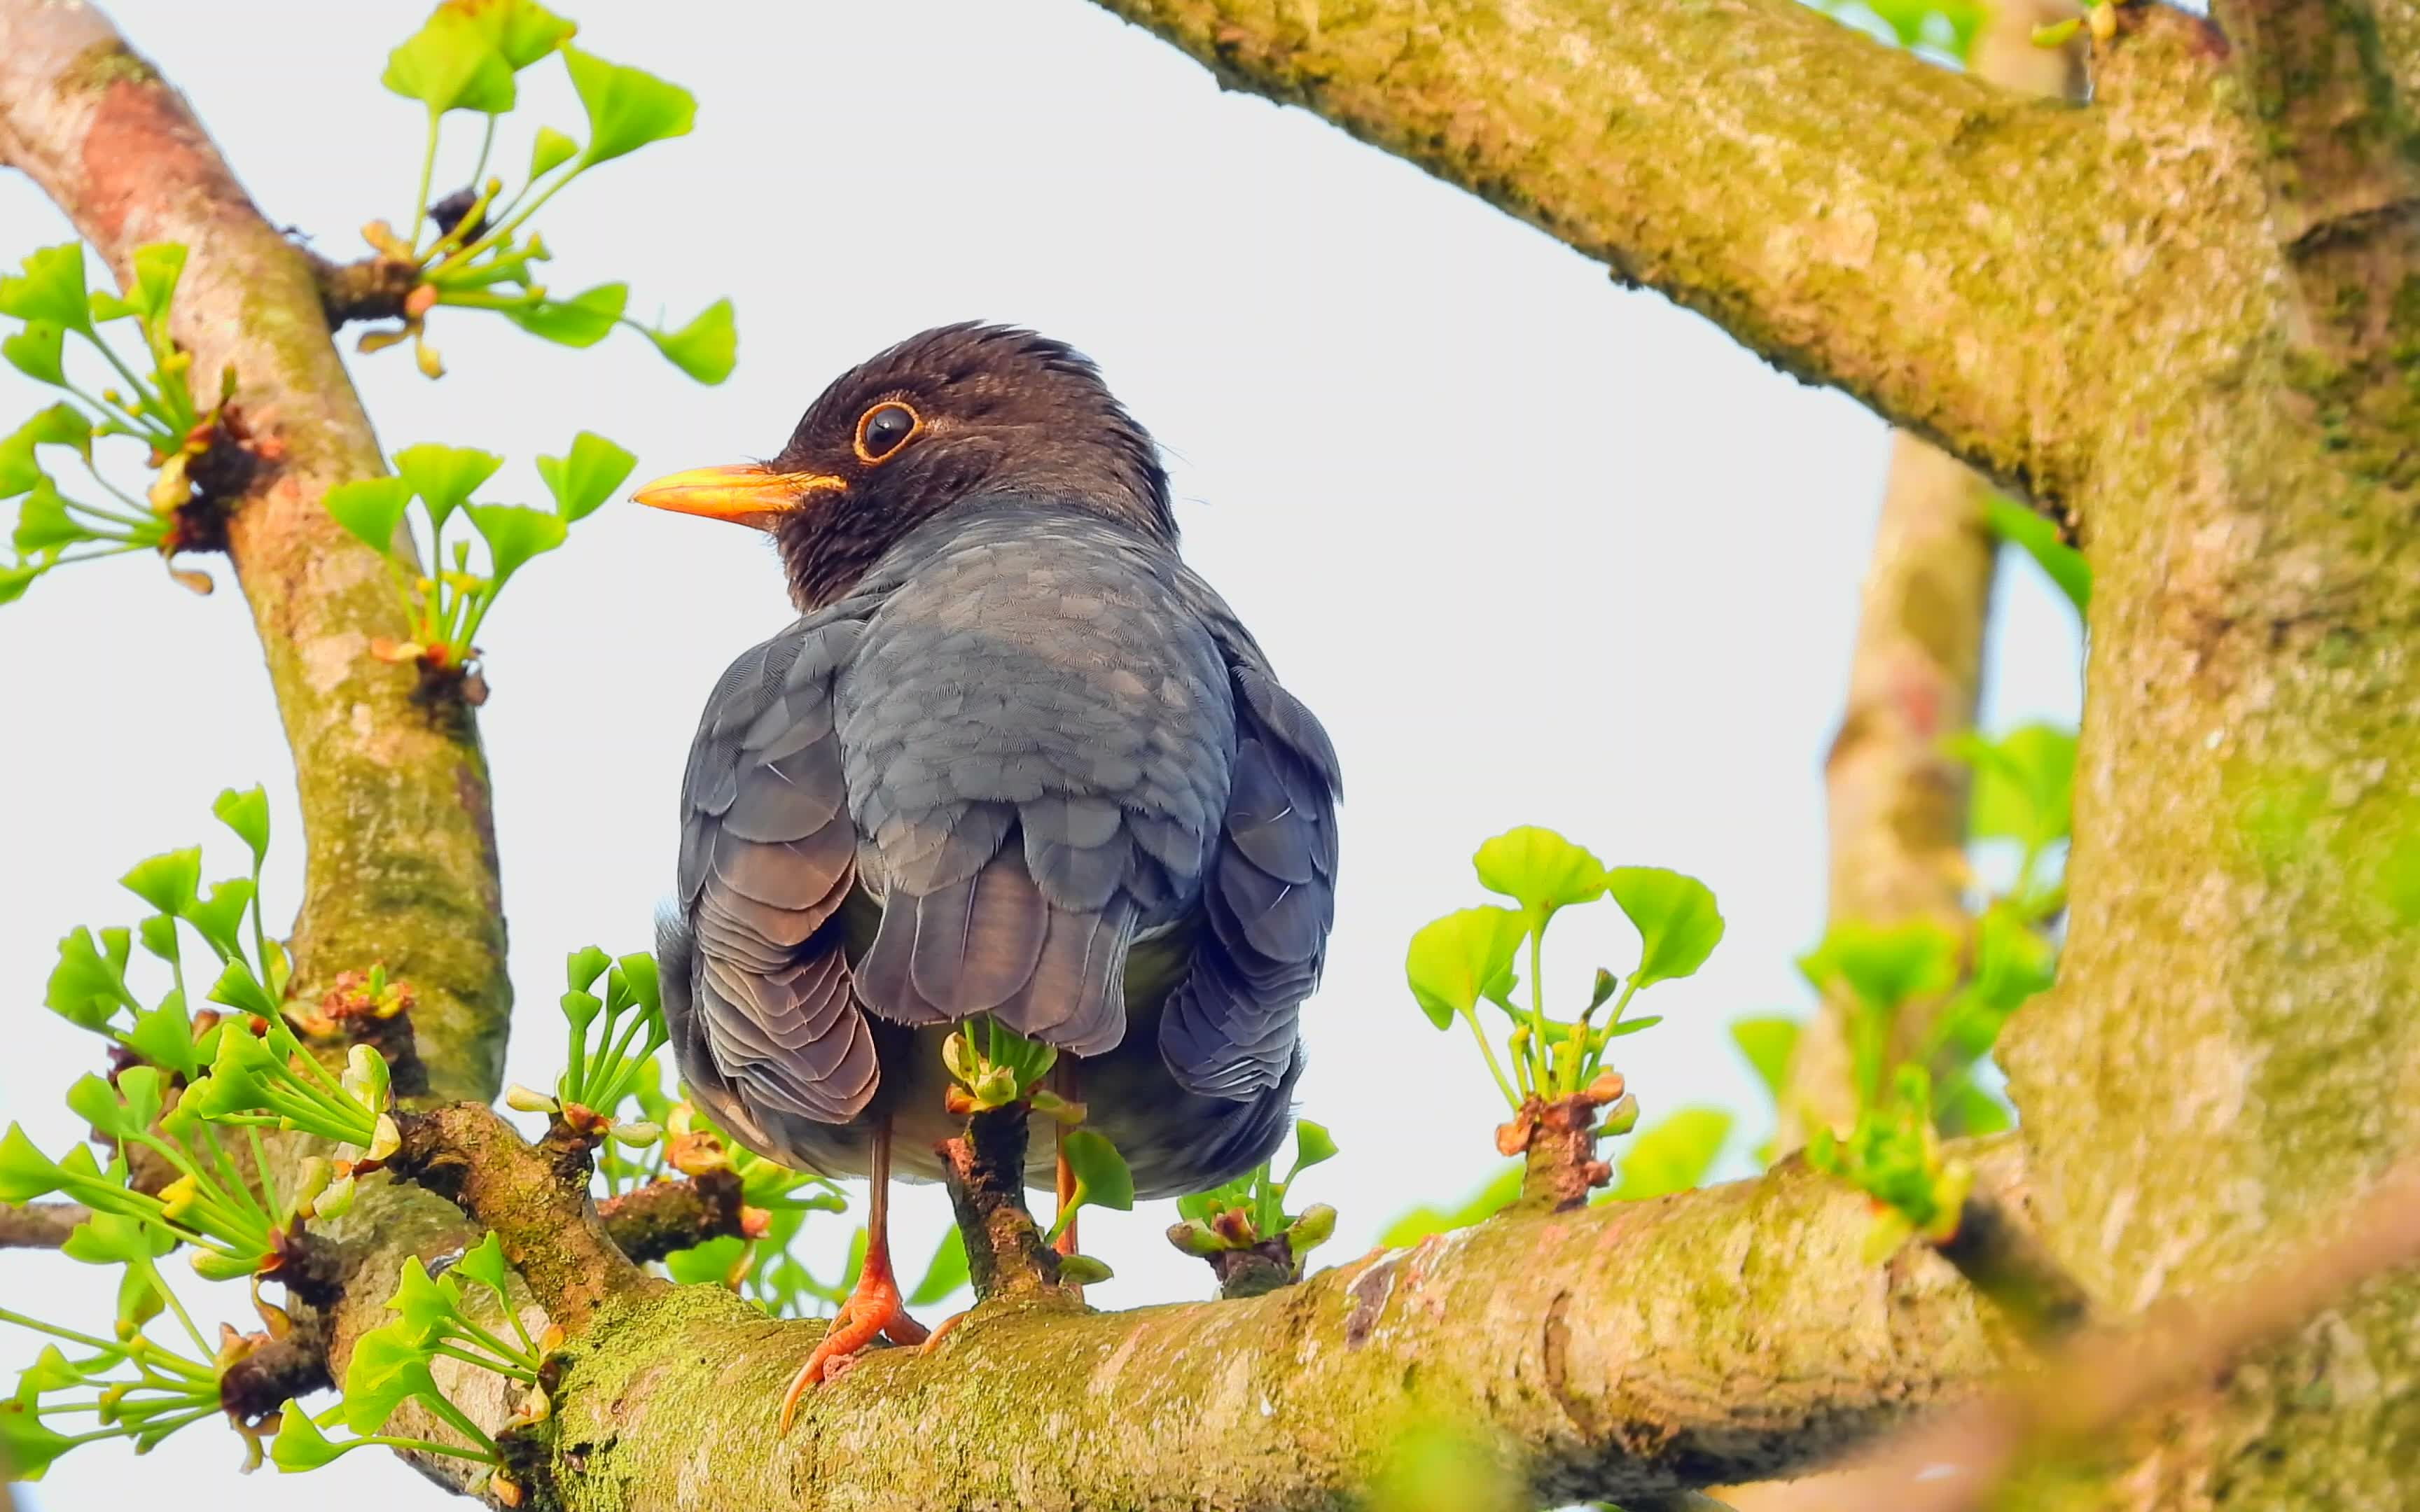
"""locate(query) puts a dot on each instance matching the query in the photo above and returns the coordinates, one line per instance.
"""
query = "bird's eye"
(884, 429)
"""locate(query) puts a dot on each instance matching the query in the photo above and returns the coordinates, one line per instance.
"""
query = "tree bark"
(1895, 800)
(400, 861)
(1609, 1352)
(1910, 248)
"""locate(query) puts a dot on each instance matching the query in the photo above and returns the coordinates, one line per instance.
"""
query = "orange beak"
(745, 495)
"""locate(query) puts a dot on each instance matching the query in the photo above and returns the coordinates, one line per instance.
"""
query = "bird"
(1014, 758)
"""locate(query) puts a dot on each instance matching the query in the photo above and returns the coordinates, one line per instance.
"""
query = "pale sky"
(1536, 550)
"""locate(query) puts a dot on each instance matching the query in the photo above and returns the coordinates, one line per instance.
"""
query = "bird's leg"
(874, 1304)
(1066, 1077)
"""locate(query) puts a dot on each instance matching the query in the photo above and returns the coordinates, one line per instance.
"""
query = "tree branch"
(1576, 1338)
(1895, 800)
(2344, 203)
(38, 1224)
(650, 1222)
(1912, 251)
(2115, 1374)
(401, 863)
(532, 1198)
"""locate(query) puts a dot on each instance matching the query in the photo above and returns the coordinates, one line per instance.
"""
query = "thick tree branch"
(38, 1224)
(650, 1222)
(532, 1198)
(1911, 250)
(401, 864)
(1579, 1339)
(1895, 797)
(2343, 175)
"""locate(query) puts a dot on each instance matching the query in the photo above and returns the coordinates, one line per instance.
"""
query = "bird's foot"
(873, 1309)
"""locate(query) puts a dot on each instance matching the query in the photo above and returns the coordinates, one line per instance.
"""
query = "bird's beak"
(745, 495)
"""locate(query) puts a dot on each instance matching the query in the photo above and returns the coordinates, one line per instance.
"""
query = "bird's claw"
(872, 1310)
(932, 1340)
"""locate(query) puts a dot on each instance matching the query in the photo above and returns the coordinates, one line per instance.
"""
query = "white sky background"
(1536, 550)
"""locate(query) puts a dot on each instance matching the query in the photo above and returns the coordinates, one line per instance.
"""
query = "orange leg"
(874, 1306)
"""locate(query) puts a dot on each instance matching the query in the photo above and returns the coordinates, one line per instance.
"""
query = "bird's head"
(957, 413)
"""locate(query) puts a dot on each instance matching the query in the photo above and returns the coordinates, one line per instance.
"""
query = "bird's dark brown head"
(957, 412)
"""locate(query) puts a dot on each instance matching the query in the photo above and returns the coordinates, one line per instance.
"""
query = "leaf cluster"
(1468, 957)
(478, 250)
(59, 523)
(447, 602)
(390, 1364)
(1251, 1208)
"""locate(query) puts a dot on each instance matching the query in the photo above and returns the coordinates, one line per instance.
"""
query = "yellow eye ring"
(882, 430)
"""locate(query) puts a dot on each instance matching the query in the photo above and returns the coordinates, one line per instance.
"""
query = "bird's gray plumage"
(1026, 762)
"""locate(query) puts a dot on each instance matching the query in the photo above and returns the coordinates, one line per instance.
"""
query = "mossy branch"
(1909, 251)
(400, 868)
(1616, 1352)
(650, 1222)
(532, 1198)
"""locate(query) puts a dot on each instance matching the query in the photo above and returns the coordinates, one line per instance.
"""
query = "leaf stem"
(427, 169)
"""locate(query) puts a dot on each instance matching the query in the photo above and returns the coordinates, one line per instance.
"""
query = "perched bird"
(1015, 757)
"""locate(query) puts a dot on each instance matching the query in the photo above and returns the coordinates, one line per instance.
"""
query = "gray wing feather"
(757, 990)
(1231, 1026)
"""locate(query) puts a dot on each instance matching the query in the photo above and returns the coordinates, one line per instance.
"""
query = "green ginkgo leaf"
(300, 1445)
(451, 63)
(51, 287)
(28, 1445)
(1102, 1179)
(43, 522)
(372, 509)
(169, 882)
(1671, 1154)
(1453, 961)
(946, 1273)
(514, 534)
(2040, 539)
(706, 349)
(551, 150)
(582, 321)
(627, 108)
(585, 477)
(2023, 783)
(1883, 964)
(38, 351)
(1312, 1146)
(524, 32)
(1678, 924)
(26, 1172)
(443, 476)
(157, 269)
(1540, 870)
(247, 814)
(1767, 1043)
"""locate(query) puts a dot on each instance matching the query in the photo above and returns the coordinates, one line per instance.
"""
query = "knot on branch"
(1557, 1141)
(1257, 1270)
(374, 288)
(367, 1007)
(273, 1369)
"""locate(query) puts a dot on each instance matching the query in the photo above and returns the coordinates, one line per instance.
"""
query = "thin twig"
(38, 1224)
